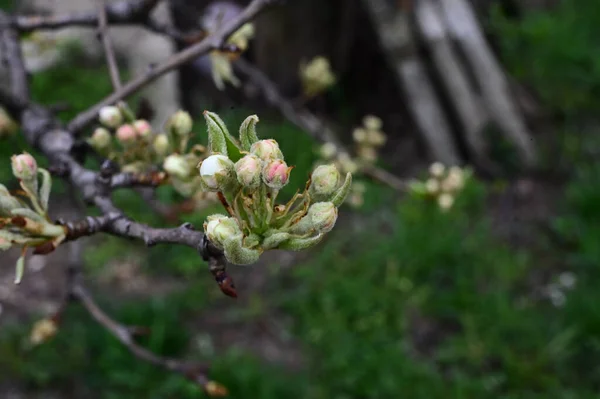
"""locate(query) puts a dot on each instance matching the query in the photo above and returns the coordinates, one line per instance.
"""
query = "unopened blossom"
(101, 139)
(248, 170)
(126, 134)
(177, 166)
(372, 122)
(437, 169)
(143, 128)
(276, 174)
(325, 179)
(328, 150)
(111, 116)
(24, 167)
(323, 216)
(181, 123)
(266, 150)
(220, 228)
(445, 201)
(215, 167)
(161, 145)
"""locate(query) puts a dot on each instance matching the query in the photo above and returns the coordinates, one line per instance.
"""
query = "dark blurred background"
(496, 298)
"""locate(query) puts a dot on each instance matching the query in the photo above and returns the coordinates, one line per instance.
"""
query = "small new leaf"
(20, 269)
(299, 244)
(248, 134)
(339, 197)
(232, 147)
(45, 188)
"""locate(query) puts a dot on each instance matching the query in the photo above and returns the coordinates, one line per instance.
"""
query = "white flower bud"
(220, 228)
(110, 116)
(327, 150)
(177, 166)
(445, 201)
(215, 167)
(142, 128)
(437, 169)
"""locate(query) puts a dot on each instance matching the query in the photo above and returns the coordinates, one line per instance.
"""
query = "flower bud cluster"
(443, 184)
(316, 76)
(249, 173)
(221, 68)
(26, 223)
(369, 138)
(138, 148)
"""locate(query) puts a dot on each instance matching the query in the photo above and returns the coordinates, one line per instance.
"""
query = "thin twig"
(124, 334)
(214, 41)
(107, 44)
(14, 57)
(118, 13)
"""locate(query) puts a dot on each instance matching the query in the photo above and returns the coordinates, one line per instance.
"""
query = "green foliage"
(557, 53)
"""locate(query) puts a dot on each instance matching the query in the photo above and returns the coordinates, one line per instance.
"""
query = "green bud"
(325, 179)
(266, 150)
(248, 132)
(161, 145)
(248, 171)
(181, 123)
(101, 139)
(323, 216)
(177, 166)
(216, 171)
(220, 228)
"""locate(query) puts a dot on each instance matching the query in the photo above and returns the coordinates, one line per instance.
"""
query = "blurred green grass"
(401, 301)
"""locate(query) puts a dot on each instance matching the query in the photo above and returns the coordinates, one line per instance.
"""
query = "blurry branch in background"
(472, 77)
(45, 132)
(308, 121)
(108, 48)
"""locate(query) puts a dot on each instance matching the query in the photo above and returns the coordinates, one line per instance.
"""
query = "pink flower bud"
(24, 166)
(110, 116)
(126, 134)
(276, 174)
(248, 170)
(266, 150)
(142, 127)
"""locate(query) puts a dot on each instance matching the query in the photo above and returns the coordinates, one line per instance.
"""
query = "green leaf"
(219, 138)
(20, 268)
(45, 188)
(248, 132)
(299, 244)
(29, 214)
(339, 197)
